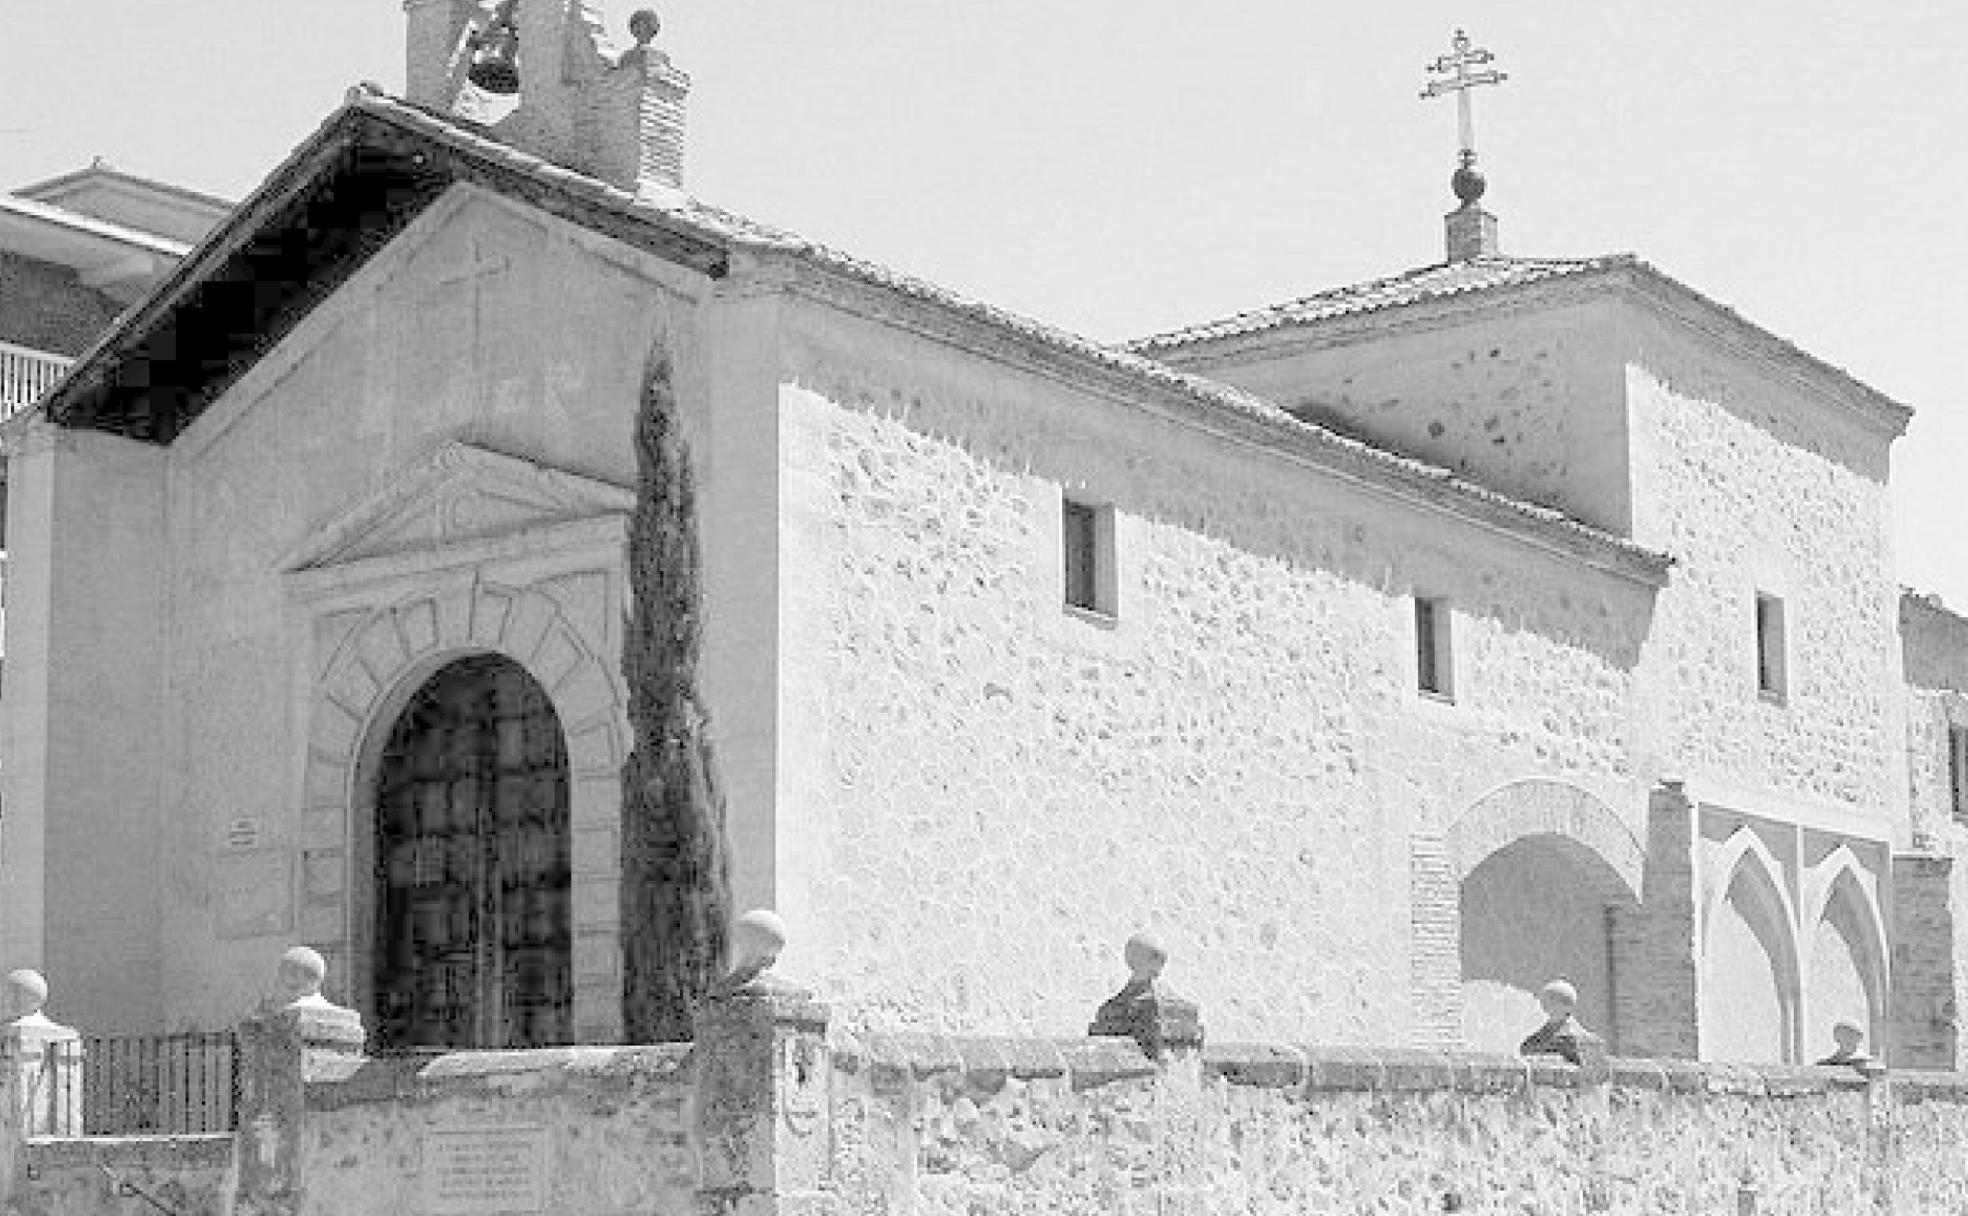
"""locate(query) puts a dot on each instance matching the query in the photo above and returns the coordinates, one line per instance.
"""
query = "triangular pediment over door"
(460, 562)
(458, 495)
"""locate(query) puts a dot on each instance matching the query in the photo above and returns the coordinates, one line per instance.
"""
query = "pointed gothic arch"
(1847, 963)
(1750, 963)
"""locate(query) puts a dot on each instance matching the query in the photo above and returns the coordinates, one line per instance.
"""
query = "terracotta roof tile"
(1396, 291)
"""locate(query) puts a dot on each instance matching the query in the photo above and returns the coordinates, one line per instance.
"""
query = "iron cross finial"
(1455, 76)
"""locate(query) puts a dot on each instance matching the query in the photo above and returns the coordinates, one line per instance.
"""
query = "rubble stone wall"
(124, 1176)
(987, 785)
(941, 1126)
(599, 1131)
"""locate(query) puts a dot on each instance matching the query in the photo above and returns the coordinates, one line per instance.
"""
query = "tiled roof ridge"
(1422, 283)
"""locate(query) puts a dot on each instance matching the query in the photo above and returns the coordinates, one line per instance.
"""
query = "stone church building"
(1387, 652)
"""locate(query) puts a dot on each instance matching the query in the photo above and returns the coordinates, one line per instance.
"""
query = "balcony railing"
(25, 374)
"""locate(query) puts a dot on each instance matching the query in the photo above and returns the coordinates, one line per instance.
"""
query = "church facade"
(1388, 653)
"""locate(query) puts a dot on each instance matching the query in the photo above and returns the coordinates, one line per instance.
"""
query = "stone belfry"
(542, 76)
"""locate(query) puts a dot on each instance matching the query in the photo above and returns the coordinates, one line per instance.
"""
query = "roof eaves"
(1862, 400)
(1263, 423)
(62, 183)
(90, 227)
(287, 180)
(1419, 286)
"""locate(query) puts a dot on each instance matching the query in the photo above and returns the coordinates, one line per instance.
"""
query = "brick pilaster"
(1435, 942)
(1923, 1011)
(1657, 987)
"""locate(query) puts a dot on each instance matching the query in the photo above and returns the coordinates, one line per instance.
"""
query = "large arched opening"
(1549, 888)
(472, 925)
(1543, 907)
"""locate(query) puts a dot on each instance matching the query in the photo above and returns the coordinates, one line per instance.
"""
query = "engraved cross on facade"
(476, 273)
(1455, 76)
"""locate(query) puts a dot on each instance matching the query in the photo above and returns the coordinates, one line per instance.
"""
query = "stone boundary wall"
(1086, 1063)
(947, 1124)
(777, 1109)
(113, 1175)
(595, 1130)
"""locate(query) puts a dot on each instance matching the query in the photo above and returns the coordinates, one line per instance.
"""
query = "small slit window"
(1957, 745)
(1087, 541)
(1434, 657)
(1771, 675)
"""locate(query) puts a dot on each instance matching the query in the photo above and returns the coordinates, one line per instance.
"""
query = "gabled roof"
(377, 163)
(54, 189)
(1495, 277)
(1396, 291)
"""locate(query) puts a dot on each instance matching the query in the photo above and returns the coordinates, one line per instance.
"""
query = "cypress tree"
(675, 874)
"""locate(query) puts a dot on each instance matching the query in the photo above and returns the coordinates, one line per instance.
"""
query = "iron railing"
(160, 1085)
(25, 374)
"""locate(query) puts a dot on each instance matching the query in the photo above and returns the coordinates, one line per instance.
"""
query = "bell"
(496, 73)
(495, 52)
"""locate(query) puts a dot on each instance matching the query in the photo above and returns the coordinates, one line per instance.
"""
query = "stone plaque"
(477, 1171)
(255, 893)
(242, 835)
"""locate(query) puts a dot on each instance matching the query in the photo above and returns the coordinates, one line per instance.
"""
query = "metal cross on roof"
(1456, 77)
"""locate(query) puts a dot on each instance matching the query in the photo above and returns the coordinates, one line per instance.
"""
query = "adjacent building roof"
(108, 193)
(110, 257)
(378, 162)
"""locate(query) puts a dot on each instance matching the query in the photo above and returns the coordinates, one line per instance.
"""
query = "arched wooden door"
(474, 935)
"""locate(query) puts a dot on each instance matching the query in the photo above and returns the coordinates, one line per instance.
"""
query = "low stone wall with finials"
(777, 1109)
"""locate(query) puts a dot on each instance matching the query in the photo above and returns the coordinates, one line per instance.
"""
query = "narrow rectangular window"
(1770, 674)
(1087, 541)
(1434, 660)
(1958, 769)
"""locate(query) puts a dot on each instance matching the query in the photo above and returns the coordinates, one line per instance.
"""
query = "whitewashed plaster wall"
(83, 723)
(987, 792)
(435, 463)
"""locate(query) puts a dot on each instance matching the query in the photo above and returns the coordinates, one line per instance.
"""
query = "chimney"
(542, 76)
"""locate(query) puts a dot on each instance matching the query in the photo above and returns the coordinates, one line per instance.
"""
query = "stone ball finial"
(644, 25)
(756, 941)
(1468, 183)
(1558, 997)
(1145, 957)
(302, 971)
(27, 992)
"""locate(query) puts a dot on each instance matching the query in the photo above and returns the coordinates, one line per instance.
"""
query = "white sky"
(1118, 167)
